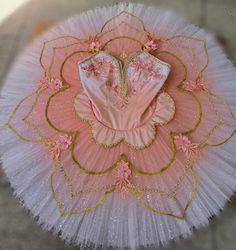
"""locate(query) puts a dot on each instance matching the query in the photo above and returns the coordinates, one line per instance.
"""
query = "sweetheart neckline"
(126, 60)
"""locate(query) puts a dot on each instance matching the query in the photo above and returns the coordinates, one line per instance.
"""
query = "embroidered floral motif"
(133, 88)
(93, 44)
(147, 65)
(191, 85)
(50, 83)
(98, 67)
(184, 144)
(55, 147)
(122, 178)
(121, 102)
(152, 44)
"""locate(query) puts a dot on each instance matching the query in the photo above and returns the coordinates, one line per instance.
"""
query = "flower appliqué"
(50, 83)
(93, 44)
(122, 178)
(194, 85)
(57, 145)
(122, 102)
(98, 67)
(184, 144)
(152, 44)
(147, 65)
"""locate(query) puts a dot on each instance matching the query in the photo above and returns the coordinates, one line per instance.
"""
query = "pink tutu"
(119, 127)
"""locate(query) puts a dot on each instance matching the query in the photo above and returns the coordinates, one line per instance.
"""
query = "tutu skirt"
(118, 127)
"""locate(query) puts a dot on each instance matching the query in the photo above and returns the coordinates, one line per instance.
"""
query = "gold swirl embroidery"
(171, 194)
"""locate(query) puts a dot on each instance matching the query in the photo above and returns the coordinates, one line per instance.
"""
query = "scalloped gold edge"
(155, 125)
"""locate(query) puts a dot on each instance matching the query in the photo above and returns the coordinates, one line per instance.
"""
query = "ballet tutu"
(117, 127)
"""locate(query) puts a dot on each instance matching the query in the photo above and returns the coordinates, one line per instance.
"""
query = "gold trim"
(128, 14)
(121, 37)
(171, 194)
(196, 39)
(182, 216)
(47, 73)
(221, 120)
(179, 87)
(59, 205)
(101, 34)
(8, 124)
(81, 192)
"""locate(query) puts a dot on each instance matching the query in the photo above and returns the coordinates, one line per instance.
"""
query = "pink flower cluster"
(50, 83)
(98, 67)
(93, 44)
(121, 102)
(184, 144)
(121, 178)
(61, 143)
(147, 66)
(152, 44)
(193, 85)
